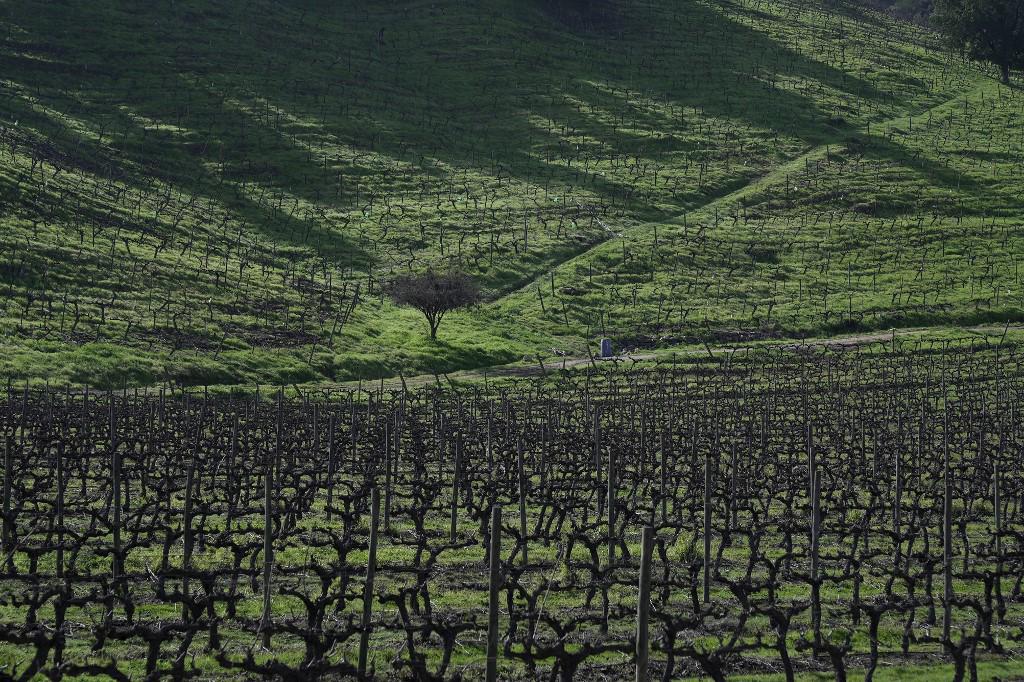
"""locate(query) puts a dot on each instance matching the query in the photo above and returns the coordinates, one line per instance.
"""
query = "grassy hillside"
(211, 192)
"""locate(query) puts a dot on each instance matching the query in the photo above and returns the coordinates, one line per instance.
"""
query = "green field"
(149, 564)
(211, 193)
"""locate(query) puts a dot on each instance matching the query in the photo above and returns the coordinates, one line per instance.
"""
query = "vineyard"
(774, 515)
(238, 444)
(212, 193)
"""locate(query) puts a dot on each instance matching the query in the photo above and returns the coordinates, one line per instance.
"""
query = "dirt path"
(555, 364)
(774, 176)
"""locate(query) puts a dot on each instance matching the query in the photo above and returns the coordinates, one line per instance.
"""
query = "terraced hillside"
(212, 192)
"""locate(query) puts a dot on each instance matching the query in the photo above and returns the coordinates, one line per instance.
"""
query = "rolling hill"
(212, 192)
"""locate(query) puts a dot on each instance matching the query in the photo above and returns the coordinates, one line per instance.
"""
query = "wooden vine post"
(331, 426)
(229, 479)
(454, 527)
(493, 587)
(522, 505)
(897, 502)
(115, 481)
(8, 549)
(947, 532)
(186, 562)
(59, 510)
(268, 534)
(371, 571)
(387, 481)
(815, 558)
(610, 495)
(643, 605)
(997, 519)
(707, 528)
(666, 442)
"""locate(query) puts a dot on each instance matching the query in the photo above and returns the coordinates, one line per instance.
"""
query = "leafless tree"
(434, 294)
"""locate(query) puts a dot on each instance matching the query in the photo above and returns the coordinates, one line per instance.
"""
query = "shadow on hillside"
(89, 86)
(458, 84)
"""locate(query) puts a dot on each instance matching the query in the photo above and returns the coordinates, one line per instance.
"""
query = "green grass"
(456, 583)
(204, 186)
(456, 587)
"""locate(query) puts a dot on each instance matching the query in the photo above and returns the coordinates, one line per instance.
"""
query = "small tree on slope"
(434, 294)
(990, 30)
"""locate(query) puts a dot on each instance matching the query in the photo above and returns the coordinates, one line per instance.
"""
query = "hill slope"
(211, 192)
